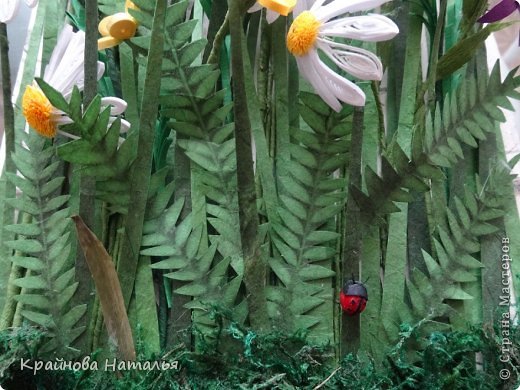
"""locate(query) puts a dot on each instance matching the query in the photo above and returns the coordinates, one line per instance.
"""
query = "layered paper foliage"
(432, 204)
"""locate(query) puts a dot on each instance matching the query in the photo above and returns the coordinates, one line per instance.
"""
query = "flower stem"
(353, 238)
(214, 56)
(6, 95)
(9, 189)
(87, 185)
(255, 268)
(142, 167)
(428, 88)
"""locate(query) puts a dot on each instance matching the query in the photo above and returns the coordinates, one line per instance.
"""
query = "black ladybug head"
(355, 288)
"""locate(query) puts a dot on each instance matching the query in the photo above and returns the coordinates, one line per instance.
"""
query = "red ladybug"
(353, 297)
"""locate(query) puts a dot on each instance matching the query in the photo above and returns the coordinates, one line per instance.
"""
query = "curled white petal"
(340, 7)
(125, 126)
(370, 28)
(100, 69)
(307, 66)
(68, 135)
(358, 62)
(8, 10)
(343, 89)
(117, 105)
(331, 87)
(31, 3)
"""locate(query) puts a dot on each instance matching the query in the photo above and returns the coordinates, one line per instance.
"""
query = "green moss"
(245, 360)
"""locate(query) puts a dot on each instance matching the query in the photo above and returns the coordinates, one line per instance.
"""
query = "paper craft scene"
(269, 194)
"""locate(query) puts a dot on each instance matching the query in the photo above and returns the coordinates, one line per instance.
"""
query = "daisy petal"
(322, 83)
(358, 62)
(370, 28)
(63, 120)
(118, 106)
(66, 66)
(8, 10)
(306, 66)
(316, 5)
(68, 135)
(58, 52)
(100, 69)
(254, 8)
(271, 16)
(344, 90)
(125, 126)
(301, 5)
(339, 7)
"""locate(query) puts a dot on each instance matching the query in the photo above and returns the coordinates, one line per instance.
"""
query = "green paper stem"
(142, 167)
(429, 86)
(280, 99)
(179, 317)
(262, 63)
(9, 310)
(8, 189)
(7, 106)
(490, 245)
(350, 328)
(216, 21)
(87, 184)
(263, 161)
(214, 55)
(255, 269)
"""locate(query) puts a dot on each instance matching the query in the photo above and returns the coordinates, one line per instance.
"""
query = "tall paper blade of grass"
(141, 171)
(29, 69)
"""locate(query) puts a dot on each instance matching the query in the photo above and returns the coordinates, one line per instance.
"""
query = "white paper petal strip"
(344, 90)
(340, 7)
(307, 66)
(271, 16)
(358, 62)
(369, 28)
(125, 126)
(117, 105)
(8, 10)
(254, 8)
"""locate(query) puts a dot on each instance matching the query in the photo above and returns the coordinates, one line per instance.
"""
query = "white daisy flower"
(9, 9)
(64, 71)
(314, 28)
(274, 8)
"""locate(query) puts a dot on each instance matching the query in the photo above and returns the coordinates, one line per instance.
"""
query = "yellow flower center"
(38, 112)
(303, 33)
